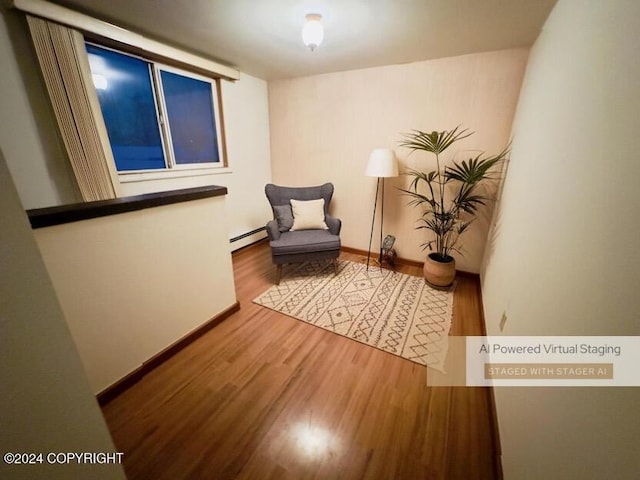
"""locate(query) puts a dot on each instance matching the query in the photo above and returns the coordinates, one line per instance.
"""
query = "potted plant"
(449, 197)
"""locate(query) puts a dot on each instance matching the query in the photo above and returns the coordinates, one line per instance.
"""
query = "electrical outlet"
(503, 320)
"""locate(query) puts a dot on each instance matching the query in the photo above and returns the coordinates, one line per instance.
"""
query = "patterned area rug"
(394, 312)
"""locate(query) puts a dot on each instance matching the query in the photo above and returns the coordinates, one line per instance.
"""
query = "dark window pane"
(126, 98)
(191, 118)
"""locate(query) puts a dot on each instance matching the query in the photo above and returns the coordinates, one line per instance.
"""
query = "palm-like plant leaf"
(475, 169)
(434, 142)
(427, 189)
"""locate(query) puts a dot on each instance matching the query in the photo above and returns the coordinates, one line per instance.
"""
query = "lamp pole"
(373, 220)
(382, 164)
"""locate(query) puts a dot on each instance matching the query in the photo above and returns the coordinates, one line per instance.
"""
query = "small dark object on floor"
(389, 256)
(387, 253)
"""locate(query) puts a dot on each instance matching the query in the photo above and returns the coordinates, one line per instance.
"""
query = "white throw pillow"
(308, 215)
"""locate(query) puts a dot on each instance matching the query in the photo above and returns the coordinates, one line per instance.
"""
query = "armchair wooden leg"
(335, 265)
(278, 273)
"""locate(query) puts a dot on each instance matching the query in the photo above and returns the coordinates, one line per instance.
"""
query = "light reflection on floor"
(313, 442)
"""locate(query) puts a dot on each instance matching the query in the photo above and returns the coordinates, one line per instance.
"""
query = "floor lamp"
(382, 164)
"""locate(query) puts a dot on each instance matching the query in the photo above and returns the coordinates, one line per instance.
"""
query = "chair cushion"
(305, 241)
(308, 214)
(284, 216)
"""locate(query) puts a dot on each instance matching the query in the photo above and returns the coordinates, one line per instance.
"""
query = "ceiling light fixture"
(312, 31)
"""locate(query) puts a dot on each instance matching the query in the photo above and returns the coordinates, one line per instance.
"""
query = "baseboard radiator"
(248, 234)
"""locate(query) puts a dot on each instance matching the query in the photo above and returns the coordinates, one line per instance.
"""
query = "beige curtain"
(66, 72)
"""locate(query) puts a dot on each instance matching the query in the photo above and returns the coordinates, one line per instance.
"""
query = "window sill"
(169, 174)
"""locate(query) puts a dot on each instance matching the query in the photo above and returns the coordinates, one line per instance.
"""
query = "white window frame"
(172, 169)
(166, 127)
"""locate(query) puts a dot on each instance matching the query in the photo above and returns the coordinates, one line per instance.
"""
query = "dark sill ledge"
(50, 216)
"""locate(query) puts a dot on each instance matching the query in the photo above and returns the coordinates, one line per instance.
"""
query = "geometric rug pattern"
(394, 312)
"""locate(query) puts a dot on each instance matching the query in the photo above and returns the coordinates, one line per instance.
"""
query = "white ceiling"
(262, 37)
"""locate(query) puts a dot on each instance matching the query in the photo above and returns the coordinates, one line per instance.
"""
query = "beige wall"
(132, 284)
(39, 166)
(564, 256)
(45, 399)
(324, 127)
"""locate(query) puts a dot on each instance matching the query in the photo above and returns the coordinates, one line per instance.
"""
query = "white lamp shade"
(382, 163)
(312, 31)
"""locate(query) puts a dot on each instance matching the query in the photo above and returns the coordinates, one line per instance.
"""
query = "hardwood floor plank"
(265, 396)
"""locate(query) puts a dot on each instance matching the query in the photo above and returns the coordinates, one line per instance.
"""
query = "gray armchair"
(292, 246)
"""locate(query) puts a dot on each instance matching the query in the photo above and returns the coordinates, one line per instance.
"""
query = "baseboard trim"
(404, 261)
(112, 391)
(248, 246)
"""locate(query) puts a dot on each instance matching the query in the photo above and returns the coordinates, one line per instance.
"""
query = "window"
(158, 118)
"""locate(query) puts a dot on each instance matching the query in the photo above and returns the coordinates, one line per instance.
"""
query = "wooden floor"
(265, 396)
